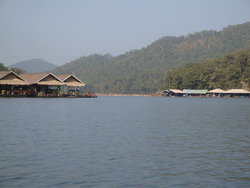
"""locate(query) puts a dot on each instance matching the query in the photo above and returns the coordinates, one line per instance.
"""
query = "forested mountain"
(231, 71)
(142, 71)
(34, 65)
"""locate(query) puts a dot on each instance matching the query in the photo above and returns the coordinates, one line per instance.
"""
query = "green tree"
(2, 67)
(232, 71)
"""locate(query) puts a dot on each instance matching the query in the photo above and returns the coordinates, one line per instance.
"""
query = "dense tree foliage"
(232, 71)
(142, 71)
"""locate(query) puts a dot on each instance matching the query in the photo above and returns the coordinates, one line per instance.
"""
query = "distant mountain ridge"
(34, 65)
(142, 71)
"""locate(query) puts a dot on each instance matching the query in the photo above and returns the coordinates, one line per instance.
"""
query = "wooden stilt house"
(11, 84)
(43, 84)
(72, 84)
(237, 93)
(172, 93)
(216, 93)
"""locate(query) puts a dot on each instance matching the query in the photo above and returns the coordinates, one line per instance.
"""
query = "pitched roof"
(172, 90)
(216, 91)
(237, 91)
(33, 77)
(193, 91)
(63, 76)
(71, 80)
(42, 79)
(4, 73)
(11, 78)
(175, 90)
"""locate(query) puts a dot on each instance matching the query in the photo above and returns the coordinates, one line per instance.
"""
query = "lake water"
(124, 142)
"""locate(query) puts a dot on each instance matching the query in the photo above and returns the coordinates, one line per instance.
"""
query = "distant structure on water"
(40, 85)
(205, 93)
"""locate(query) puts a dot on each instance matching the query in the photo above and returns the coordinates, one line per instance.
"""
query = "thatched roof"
(172, 90)
(237, 91)
(63, 76)
(42, 79)
(4, 73)
(175, 90)
(11, 78)
(71, 80)
(217, 91)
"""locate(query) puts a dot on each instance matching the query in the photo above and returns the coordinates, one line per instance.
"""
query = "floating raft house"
(39, 84)
(212, 93)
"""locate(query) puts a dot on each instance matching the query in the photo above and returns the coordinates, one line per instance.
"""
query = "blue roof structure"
(194, 91)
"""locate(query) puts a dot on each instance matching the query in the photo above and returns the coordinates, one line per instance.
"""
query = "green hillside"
(231, 71)
(142, 71)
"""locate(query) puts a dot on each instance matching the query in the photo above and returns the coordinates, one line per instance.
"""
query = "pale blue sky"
(62, 30)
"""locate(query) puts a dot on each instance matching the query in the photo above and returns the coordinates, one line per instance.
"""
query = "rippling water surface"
(124, 142)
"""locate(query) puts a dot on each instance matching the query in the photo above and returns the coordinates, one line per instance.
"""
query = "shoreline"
(159, 95)
(123, 95)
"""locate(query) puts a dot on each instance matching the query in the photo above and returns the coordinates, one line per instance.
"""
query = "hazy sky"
(59, 31)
